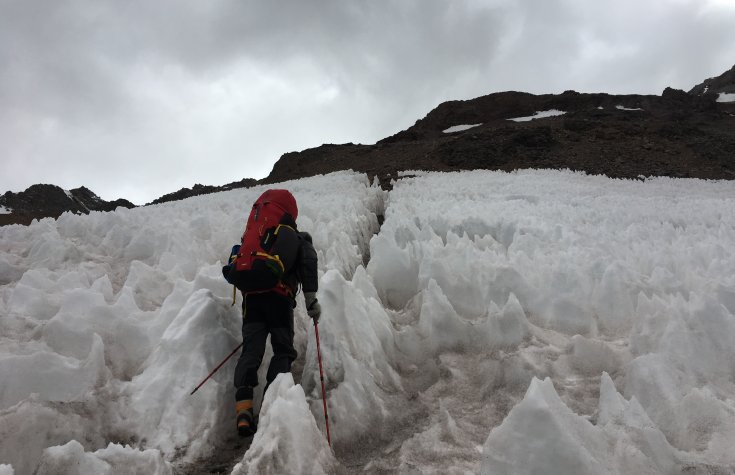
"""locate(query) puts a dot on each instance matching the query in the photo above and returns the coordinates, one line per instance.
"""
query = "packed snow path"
(532, 322)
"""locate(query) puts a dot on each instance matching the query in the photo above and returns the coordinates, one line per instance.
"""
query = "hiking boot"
(244, 409)
(245, 420)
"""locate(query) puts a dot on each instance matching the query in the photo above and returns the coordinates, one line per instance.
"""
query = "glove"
(230, 263)
(233, 254)
(312, 306)
(226, 273)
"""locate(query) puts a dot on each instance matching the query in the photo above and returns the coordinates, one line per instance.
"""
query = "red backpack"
(262, 270)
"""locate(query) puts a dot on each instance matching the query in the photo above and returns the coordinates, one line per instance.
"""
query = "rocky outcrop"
(676, 134)
(50, 201)
(44, 201)
(725, 82)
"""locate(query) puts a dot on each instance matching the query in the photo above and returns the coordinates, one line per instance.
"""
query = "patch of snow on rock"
(726, 97)
(623, 108)
(459, 128)
(539, 115)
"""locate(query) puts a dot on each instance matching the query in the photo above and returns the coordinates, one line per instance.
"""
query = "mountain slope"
(725, 82)
(677, 134)
(43, 201)
(624, 136)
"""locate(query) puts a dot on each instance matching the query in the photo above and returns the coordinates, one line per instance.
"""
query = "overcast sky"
(137, 98)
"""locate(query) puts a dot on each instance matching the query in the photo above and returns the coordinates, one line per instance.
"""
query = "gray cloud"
(137, 98)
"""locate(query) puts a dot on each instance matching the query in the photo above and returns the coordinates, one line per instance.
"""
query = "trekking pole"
(215, 369)
(321, 376)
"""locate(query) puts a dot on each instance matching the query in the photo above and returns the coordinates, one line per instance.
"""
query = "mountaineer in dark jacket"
(273, 259)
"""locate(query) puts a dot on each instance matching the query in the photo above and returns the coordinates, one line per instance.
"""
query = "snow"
(539, 115)
(526, 322)
(111, 319)
(568, 443)
(4, 210)
(494, 279)
(115, 459)
(459, 128)
(623, 108)
(289, 436)
(726, 97)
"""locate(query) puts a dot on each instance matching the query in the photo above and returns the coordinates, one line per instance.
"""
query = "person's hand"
(226, 269)
(313, 309)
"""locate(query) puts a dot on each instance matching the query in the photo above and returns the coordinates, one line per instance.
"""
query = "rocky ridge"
(42, 201)
(678, 134)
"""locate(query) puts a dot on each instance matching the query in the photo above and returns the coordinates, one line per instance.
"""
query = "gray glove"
(312, 306)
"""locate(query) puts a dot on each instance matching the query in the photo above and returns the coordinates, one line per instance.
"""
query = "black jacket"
(307, 270)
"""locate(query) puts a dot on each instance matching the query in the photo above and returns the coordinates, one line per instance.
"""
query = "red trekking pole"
(215, 369)
(321, 376)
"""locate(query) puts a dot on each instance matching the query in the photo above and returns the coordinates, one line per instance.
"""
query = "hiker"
(268, 266)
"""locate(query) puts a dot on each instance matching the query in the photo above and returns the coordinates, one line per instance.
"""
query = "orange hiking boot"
(245, 419)
(244, 409)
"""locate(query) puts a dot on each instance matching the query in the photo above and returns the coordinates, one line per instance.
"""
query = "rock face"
(42, 201)
(725, 82)
(676, 134)
(50, 201)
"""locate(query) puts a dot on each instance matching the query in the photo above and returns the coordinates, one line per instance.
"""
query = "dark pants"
(265, 313)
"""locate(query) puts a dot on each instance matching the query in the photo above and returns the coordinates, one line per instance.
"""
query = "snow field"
(529, 322)
(492, 280)
(111, 319)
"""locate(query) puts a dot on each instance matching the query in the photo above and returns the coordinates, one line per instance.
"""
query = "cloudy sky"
(137, 98)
